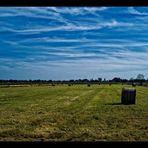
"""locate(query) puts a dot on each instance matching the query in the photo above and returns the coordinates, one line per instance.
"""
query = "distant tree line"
(138, 80)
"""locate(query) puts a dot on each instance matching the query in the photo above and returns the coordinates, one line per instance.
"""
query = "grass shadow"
(118, 103)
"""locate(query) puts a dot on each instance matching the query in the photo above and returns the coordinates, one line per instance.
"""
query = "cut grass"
(76, 113)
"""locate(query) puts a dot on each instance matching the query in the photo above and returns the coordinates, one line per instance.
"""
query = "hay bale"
(128, 96)
(69, 84)
(88, 85)
(134, 84)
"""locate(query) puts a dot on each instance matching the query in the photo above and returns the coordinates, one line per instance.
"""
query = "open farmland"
(72, 113)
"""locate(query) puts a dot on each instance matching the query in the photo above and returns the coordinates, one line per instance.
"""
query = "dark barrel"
(128, 96)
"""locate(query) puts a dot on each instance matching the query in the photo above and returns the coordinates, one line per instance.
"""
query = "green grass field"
(72, 113)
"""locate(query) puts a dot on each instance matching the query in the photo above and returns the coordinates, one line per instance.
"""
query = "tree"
(116, 79)
(100, 79)
(140, 77)
(104, 80)
(131, 80)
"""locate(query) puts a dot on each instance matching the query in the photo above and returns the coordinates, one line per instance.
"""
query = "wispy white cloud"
(75, 42)
(78, 10)
(70, 27)
(132, 10)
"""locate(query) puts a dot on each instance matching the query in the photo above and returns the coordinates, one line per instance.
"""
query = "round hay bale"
(128, 96)
(88, 85)
(134, 84)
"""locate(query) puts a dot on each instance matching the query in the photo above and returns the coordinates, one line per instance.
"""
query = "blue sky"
(73, 42)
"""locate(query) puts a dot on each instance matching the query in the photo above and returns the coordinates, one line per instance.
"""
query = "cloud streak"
(77, 42)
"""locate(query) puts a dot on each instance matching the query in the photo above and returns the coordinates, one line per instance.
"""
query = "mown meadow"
(72, 113)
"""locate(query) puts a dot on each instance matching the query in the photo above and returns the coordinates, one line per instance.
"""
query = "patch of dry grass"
(76, 113)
